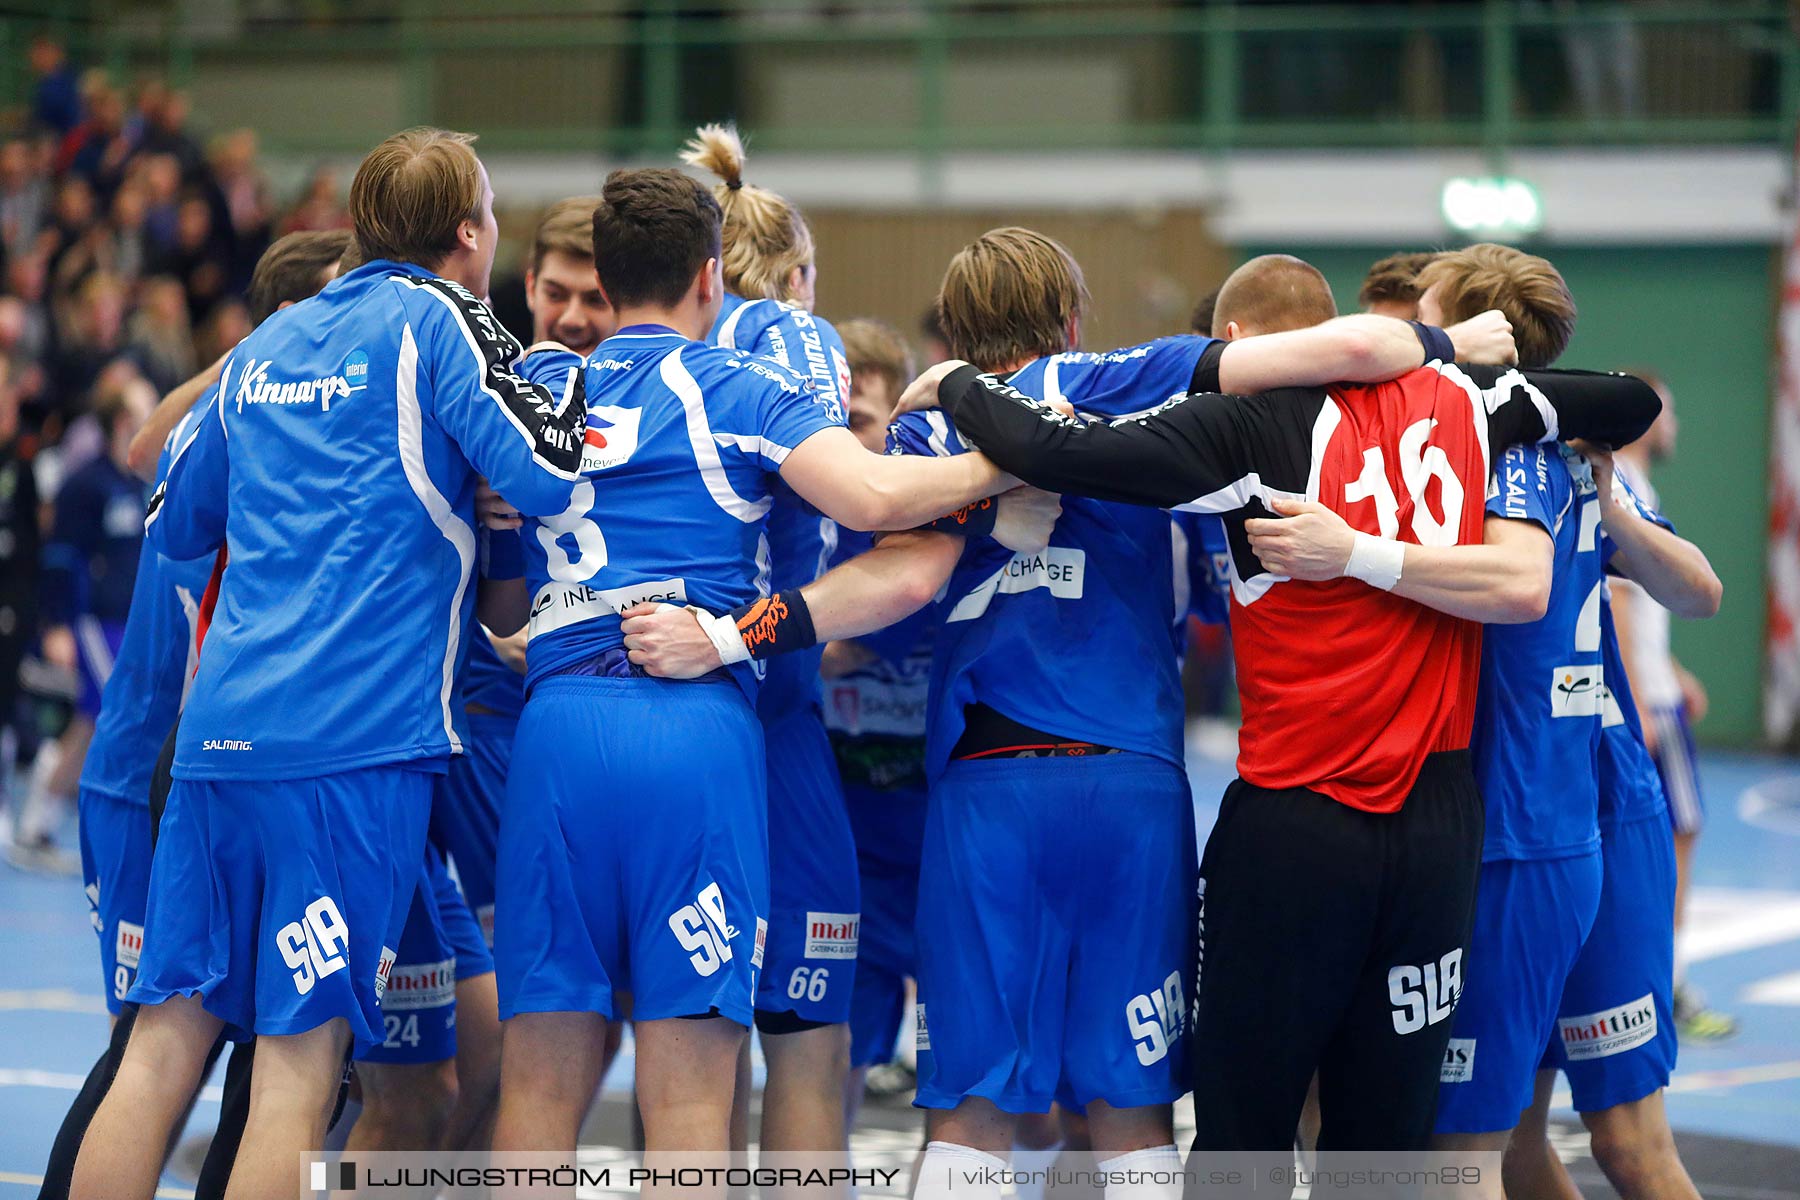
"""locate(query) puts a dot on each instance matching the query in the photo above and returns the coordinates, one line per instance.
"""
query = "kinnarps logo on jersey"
(611, 438)
(256, 385)
(1612, 1031)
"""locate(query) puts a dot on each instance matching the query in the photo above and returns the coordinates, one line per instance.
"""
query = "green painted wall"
(1703, 318)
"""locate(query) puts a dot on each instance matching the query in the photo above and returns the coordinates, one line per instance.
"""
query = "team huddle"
(699, 668)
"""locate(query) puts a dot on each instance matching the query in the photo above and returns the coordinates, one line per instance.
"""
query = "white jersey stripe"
(455, 530)
(706, 451)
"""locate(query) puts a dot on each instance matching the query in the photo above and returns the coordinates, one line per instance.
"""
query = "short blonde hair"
(1008, 295)
(412, 193)
(1273, 293)
(876, 349)
(1525, 287)
(567, 227)
(764, 237)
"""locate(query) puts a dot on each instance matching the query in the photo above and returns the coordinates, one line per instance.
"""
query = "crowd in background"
(127, 240)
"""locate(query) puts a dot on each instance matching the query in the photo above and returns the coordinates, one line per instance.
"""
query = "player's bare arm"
(1503, 581)
(901, 575)
(1674, 571)
(1361, 347)
(834, 473)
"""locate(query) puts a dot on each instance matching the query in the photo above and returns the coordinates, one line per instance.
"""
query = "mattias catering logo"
(256, 385)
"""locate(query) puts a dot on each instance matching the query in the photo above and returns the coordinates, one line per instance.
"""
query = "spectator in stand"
(99, 147)
(321, 207)
(56, 101)
(159, 334)
(24, 197)
(202, 256)
(245, 209)
(91, 333)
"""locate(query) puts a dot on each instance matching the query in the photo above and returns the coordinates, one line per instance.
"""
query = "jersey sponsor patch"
(762, 940)
(921, 1031)
(1578, 691)
(1459, 1061)
(558, 605)
(611, 437)
(128, 947)
(831, 935)
(414, 986)
(1059, 569)
(1610, 1031)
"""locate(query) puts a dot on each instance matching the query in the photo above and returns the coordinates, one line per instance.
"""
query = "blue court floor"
(1744, 941)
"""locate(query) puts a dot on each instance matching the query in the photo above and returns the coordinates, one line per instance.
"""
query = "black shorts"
(1331, 940)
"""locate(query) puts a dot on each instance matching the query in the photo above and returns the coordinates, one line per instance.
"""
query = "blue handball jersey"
(682, 446)
(337, 460)
(800, 541)
(489, 682)
(1631, 788)
(151, 672)
(1073, 641)
(1537, 714)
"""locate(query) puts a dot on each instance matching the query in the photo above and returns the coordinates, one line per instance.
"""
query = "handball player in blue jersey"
(1615, 1034)
(634, 855)
(337, 460)
(803, 997)
(1046, 973)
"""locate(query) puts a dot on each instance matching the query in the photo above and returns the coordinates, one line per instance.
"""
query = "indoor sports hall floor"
(1736, 1105)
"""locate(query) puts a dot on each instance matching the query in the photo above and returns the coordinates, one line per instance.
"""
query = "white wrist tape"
(723, 633)
(1375, 561)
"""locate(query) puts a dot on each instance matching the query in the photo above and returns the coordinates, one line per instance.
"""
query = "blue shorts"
(115, 866)
(281, 902)
(1679, 767)
(465, 821)
(1056, 933)
(634, 854)
(1531, 918)
(439, 948)
(96, 649)
(1615, 1030)
(890, 900)
(815, 905)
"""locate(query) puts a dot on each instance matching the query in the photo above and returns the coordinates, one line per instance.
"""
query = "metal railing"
(933, 76)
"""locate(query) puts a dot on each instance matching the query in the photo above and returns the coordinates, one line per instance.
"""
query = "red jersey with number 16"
(1346, 688)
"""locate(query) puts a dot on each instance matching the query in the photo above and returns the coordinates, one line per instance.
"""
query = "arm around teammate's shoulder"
(834, 473)
(1533, 406)
(1360, 348)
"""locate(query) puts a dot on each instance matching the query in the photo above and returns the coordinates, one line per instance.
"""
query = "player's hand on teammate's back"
(1025, 519)
(667, 642)
(922, 393)
(492, 510)
(1600, 462)
(1485, 339)
(1305, 540)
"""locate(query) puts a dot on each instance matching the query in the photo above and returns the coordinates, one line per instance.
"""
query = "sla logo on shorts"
(1459, 1061)
(413, 986)
(314, 946)
(1427, 994)
(921, 1031)
(1612, 1031)
(831, 935)
(1578, 691)
(129, 945)
(1156, 1019)
(701, 928)
(384, 969)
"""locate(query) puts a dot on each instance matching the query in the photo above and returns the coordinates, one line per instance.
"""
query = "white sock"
(1162, 1174)
(952, 1172)
(1028, 1161)
(41, 808)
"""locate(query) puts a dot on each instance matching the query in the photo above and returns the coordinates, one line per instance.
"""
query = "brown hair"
(1010, 294)
(1525, 287)
(289, 270)
(412, 193)
(1200, 321)
(653, 231)
(567, 227)
(1272, 293)
(1395, 279)
(875, 348)
(765, 237)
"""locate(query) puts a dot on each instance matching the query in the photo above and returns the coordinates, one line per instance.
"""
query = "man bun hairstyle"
(764, 236)
(412, 193)
(653, 230)
(1010, 295)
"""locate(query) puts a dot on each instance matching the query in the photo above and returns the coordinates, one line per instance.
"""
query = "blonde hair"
(412, 193)
(1525, 287)
(876, 349)
(567, 228)
(1273, 293)
(764, 236)
(1009, 295)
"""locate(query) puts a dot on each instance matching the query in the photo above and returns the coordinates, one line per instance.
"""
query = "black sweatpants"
(1331, 940)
